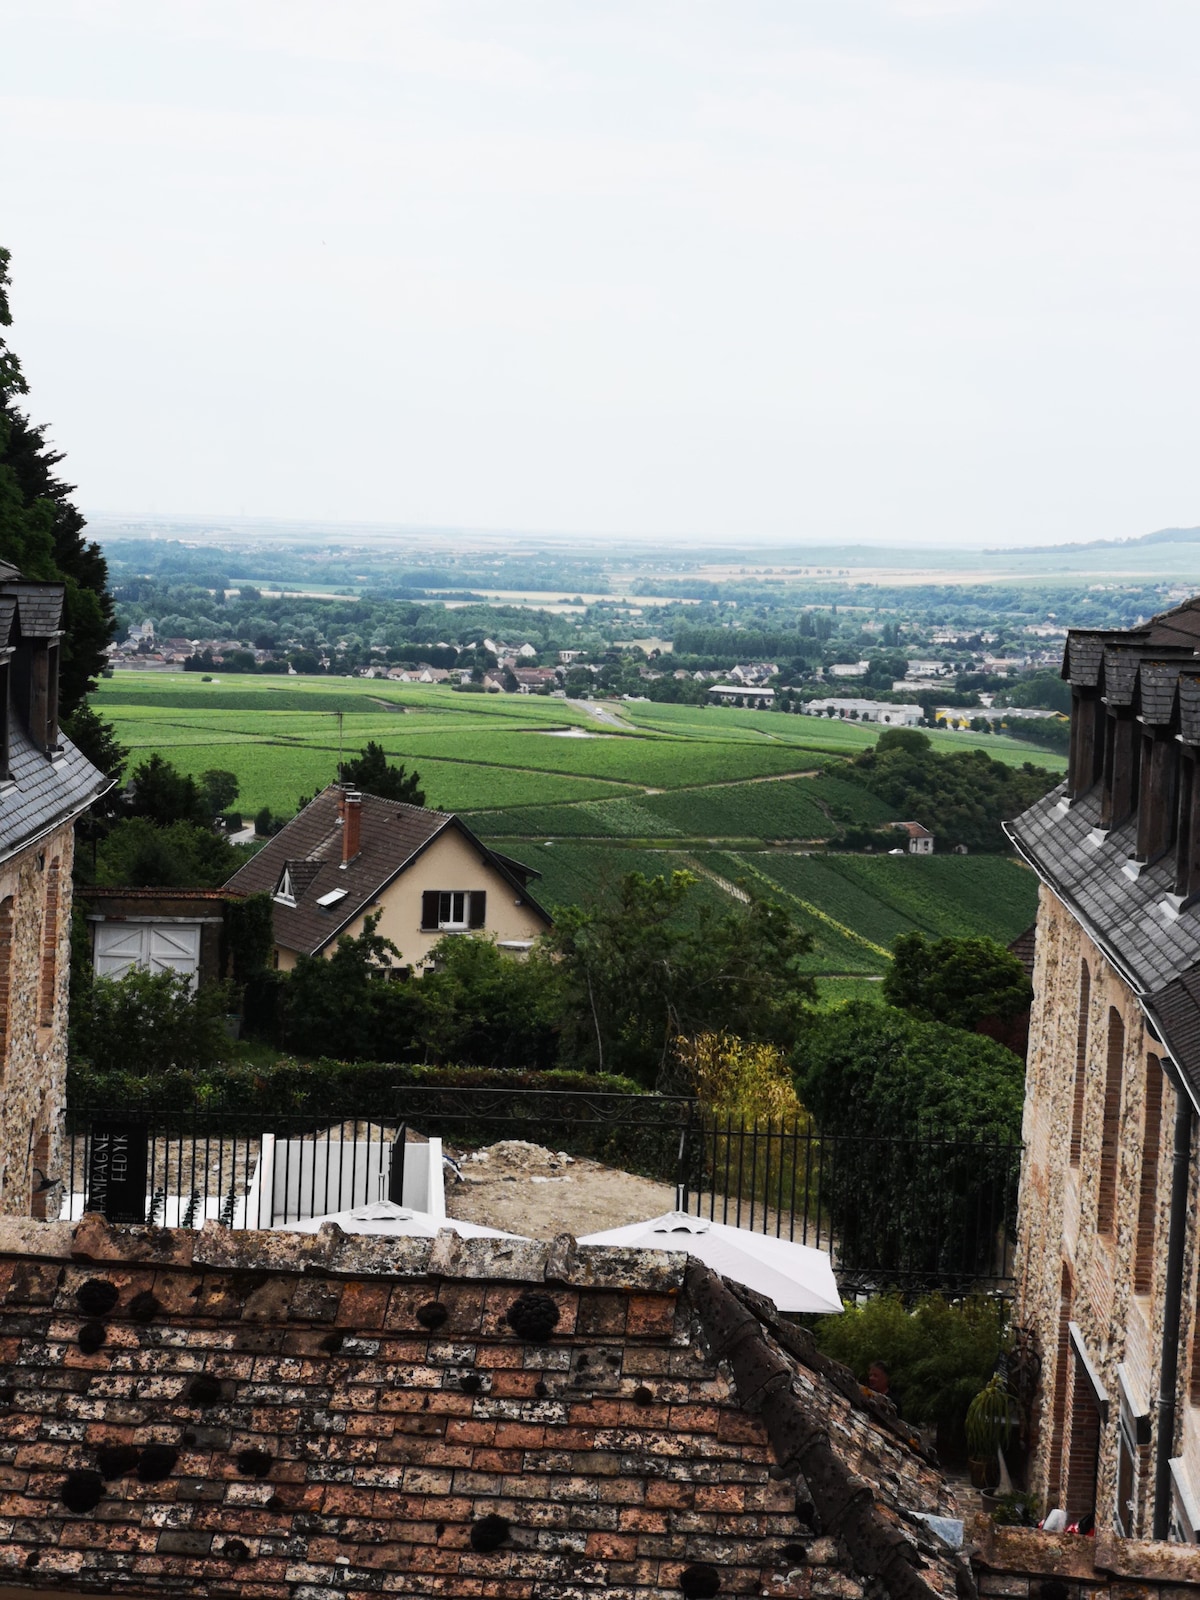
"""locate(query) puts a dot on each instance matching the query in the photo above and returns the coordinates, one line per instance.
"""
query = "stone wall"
(1061, 1209)
(33, 1085)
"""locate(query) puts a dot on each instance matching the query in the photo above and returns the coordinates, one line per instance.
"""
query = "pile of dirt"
(526, 1188)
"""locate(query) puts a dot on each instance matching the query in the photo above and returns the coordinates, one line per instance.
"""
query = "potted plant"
(993, 1419)
(1019, 1509)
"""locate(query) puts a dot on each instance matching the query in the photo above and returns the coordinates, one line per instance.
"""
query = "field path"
(724, 884)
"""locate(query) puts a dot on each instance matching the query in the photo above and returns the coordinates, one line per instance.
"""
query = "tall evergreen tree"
(42, 531)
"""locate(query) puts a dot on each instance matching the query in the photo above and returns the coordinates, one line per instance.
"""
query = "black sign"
(118, 1157)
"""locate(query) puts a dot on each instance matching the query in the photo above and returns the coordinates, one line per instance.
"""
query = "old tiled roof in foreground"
(273, 1416)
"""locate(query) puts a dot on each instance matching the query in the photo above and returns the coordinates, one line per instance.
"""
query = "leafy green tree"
(163, 794)
(476, 1005)
(179, 855)
(920, 1127)
(910, 739)
(343, 1006)
(956, 981)
(220, 789)
(962, 797)
(371, 771)
(41, 531)
(645, 965)
(869, 1068)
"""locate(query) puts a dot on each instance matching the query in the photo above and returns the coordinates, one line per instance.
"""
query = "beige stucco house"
(45, 785)
(349, 856)
(1109, 1239)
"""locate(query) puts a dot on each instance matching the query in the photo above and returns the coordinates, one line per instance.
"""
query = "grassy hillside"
(733, 796)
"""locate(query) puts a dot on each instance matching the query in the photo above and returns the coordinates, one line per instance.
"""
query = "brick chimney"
(351, 808)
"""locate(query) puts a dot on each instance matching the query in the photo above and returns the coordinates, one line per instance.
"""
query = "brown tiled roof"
(273, 1416)
(1024, 947)
(1180, 626)
(392, 836)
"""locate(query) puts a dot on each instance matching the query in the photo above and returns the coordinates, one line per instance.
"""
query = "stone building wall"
(33, 1084)
(1114, 1278)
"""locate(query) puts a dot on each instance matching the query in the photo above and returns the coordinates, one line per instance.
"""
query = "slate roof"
(39, 608)
(393, 836)
(1130, 912)
(43, 793)
(280, 1416)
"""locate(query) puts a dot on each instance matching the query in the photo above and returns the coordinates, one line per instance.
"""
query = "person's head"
(877, 1378)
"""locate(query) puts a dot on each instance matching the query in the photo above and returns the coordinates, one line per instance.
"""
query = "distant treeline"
(743, 644)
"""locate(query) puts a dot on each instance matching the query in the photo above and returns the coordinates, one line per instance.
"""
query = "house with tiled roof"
(1109, 1254)
(45, 786)
(348, 856)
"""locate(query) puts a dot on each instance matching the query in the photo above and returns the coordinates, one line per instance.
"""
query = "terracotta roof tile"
(270, 1417)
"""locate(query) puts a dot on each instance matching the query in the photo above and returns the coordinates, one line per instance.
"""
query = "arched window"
(6, 920)
(1081, 1044)
(49, 946)
(1106, 1198)
(1143, 1258)
(1062, 1381)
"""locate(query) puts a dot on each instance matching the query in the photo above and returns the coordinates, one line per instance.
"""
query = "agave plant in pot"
(993, 1421)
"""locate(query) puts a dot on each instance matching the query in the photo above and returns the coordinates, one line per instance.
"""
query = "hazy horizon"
(102, 523)
(910, 273)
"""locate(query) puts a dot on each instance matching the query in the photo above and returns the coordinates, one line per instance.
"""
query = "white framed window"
(453, 910)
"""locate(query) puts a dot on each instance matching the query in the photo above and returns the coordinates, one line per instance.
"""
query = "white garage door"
(159, 946)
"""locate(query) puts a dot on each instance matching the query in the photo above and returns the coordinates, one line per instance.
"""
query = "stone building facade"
(1109, 1248)
(45, 785)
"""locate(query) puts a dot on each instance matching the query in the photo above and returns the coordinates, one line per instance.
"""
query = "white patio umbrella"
(795, 1276)
(386, 1217)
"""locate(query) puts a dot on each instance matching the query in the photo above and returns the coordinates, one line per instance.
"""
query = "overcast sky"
(887, 270)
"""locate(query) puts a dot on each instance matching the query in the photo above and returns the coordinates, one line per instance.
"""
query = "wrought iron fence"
(647, 1134)
(922, 1211)
(181, 1168)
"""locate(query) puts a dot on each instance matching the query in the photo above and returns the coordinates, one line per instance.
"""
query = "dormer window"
(5, 714)
(1122, 750)
(1158, 796)
(1187, 828)
(285, 889)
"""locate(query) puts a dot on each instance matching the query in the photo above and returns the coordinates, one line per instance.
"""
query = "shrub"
(938, 1354)
(290, 1086)
(147, 1023)
(957, 981)
(736, 1079)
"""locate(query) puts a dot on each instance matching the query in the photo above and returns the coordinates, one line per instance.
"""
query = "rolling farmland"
(731, 796)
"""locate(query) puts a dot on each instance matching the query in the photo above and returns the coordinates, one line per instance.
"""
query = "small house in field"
(348, 856)
(920, 840)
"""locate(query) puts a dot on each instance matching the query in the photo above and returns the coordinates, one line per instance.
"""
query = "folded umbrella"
(795, 1276)
(386, 1217)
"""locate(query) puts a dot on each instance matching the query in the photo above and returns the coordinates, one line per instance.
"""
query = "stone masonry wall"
(1059, 1200)
(281, 1416)
(34, 1068)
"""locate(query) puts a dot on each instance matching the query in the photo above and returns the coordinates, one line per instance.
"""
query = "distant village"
(498, 666)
